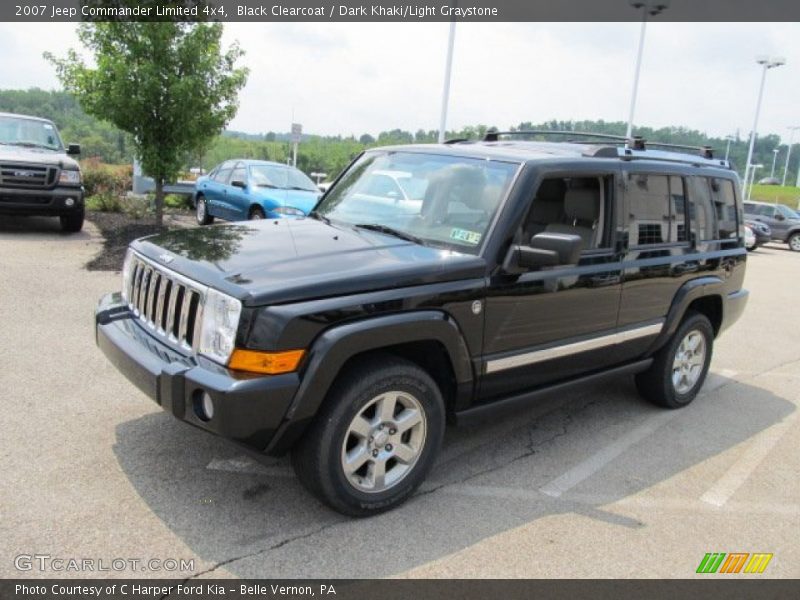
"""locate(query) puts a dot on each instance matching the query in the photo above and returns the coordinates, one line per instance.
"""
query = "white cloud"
(367, 77)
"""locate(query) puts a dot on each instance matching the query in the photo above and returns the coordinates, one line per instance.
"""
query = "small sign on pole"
(297, 134)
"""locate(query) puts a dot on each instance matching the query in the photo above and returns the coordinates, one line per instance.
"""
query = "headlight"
(220, 320)
(127, 271)
(289, 211)
(70, 178)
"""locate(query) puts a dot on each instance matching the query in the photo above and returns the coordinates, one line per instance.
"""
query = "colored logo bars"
(734, 562)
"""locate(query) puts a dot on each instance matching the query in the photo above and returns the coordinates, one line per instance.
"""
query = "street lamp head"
(659, 7)
(777, 62)
(762, 60)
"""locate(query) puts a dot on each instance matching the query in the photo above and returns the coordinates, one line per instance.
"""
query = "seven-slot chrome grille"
(167, 303)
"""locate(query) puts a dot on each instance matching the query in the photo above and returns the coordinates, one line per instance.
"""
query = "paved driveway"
(589, 484)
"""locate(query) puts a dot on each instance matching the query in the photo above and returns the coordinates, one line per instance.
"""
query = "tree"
(170, 85)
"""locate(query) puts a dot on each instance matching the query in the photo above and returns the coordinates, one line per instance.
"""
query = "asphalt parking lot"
(592, 484)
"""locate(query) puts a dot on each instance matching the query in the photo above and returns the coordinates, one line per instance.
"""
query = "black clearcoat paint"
(338, 292)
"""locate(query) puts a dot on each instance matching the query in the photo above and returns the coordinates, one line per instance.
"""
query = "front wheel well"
(429, 355)
(711, 307)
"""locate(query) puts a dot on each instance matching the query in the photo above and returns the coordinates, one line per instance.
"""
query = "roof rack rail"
(457, 141)
(705, 151)
(634, 143)
(493, 135)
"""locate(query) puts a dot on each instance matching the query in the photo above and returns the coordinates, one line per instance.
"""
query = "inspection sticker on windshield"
(464, 235)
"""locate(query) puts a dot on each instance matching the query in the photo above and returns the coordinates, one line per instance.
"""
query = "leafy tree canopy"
(170, 85)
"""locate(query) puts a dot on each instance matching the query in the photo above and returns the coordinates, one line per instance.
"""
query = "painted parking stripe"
(740, 471)
(601, 458)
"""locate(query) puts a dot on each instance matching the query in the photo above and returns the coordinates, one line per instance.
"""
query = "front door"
(553, 323)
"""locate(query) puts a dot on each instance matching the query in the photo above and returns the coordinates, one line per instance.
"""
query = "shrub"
(177, 201)
(99, 178)
(136, 207)
(104, 202)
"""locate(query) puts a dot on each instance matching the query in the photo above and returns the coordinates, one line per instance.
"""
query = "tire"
(349, 425)
(659, 384)
(794, 241)
(201, 211)
(73, 222)
(256, 214)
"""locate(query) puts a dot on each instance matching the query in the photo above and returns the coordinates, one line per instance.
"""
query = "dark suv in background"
(783, 222)
(37, 174)
(507, 270)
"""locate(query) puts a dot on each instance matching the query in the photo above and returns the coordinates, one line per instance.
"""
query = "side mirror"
(779, 217)
(239, 184)
(545, 250)
(73, 149)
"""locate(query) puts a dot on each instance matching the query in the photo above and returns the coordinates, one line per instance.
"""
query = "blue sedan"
(237, 190)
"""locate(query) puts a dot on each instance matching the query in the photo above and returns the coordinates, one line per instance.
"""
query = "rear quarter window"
(724, 199)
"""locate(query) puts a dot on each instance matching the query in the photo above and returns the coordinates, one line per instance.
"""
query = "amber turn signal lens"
(270, 363)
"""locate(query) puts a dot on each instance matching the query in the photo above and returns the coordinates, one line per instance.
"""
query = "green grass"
(790, 196)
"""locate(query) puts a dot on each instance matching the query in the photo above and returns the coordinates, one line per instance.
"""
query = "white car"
(749, 238)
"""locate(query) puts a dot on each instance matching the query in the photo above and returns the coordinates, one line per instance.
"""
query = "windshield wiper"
(33, 145)
(391, 231)
(319, 216)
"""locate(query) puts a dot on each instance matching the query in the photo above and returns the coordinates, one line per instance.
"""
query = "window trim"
(607, 207)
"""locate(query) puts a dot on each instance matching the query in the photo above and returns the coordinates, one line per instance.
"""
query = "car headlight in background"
(70, 178)
(220, 321)
(289, 211)
(127, 269)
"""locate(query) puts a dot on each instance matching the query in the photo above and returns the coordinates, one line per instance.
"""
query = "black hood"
(286, 260)
(37, 156)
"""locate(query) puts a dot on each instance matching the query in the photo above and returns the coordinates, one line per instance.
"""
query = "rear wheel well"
(711, 307)
(430, 355)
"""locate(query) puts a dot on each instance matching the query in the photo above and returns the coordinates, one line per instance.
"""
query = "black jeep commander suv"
(434, 283)
(37, 174)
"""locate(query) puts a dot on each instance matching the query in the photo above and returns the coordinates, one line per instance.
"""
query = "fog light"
(69, 202)
(203, 406)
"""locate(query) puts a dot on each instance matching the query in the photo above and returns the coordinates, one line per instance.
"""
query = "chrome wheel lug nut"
(388, 447)
(375, 452)
(392, 431)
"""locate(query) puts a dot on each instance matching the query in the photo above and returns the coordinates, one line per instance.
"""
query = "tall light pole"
(788, 154)
(766, 64)
(775, 152)
(448, 68)
(652, 8)
(749, 188)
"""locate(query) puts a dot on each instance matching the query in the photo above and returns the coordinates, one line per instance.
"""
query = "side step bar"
(479, 414)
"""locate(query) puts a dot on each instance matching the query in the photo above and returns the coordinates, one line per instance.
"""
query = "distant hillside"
(330, 154)
(97, 138)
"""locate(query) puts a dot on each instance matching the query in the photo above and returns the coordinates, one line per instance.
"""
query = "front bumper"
(43, 202)
(247, 408)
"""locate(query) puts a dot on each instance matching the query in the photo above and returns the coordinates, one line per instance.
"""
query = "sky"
(354, 78)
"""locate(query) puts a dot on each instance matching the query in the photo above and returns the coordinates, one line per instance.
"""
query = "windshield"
(280, 177)
(30, 133)
(442, 200)
(787, 212)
